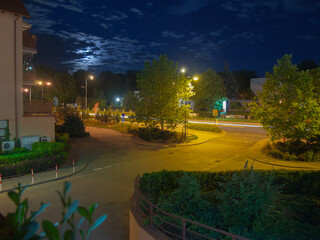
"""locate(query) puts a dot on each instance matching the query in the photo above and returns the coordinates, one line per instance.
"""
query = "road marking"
(108, 167)
(97, 169)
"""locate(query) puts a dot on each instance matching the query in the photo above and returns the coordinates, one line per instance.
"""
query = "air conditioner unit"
(7, 146)
(45, 139)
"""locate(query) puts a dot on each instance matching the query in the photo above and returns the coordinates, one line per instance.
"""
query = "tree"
(242, 78)
(63, 85)
(161, 92)
(307, 65)
(229, 82)
(288, 106)
(208, 89)
(130, 101)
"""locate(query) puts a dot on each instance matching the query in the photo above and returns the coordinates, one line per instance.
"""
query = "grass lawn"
(225, 120)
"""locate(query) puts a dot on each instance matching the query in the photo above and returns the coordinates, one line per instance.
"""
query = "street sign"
(123, 115)
(215, 112)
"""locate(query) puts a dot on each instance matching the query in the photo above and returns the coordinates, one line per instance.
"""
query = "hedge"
(204, 127)
(44, 155)
(294, 215)
(159, 184)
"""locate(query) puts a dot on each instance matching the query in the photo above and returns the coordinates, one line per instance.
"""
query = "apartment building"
(17, 48)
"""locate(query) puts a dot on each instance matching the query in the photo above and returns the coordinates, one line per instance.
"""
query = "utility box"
(27, 141)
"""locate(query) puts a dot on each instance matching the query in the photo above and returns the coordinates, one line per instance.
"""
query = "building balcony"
(37, 108)
(29, 42)
(29, 76)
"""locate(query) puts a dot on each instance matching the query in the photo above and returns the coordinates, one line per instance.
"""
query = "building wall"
(36, 125)
(7, 77)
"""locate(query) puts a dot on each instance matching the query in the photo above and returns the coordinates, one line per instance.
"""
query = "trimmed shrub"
(152, 134)
(205, 127)
(293, 151)
(43, 156)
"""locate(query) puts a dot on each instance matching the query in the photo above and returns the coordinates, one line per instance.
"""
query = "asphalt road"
(115, 160)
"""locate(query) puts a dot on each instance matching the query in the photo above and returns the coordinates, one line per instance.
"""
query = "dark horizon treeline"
(108, 86)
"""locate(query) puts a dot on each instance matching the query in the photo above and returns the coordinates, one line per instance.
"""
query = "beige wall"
(137, 232)
(7, 88)
(36, 125)
(42, 126)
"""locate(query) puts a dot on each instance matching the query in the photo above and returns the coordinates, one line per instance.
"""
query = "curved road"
(116, 159)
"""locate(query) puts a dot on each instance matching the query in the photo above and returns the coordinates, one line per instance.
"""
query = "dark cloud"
(137, 11)
(122, 35)
(170, 34)
(187, 6)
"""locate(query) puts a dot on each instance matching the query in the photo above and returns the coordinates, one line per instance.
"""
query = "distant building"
(256, 84)
(17, 47)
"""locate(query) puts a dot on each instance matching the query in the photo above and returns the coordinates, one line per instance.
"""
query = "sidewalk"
(254, 153)
(79, 153)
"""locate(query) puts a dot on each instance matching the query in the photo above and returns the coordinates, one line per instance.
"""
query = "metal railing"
(175, 227)
(37, 107)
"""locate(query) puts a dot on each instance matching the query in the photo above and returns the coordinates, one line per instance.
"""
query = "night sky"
(120, 35)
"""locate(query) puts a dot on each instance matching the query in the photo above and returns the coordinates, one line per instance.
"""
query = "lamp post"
(41, 84)
(91, 77)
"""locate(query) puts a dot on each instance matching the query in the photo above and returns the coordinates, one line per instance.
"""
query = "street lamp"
(41, 84)
(91, 77)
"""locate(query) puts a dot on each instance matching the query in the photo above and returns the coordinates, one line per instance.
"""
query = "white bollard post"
(216, 121)
(32, 179)
(0, 183)
(56, 170)
(73, 167)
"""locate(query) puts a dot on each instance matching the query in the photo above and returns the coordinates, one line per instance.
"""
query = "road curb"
(56, 179)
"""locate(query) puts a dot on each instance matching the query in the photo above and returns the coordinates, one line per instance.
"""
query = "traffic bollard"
(32, 179)
(56, 170)
(73, 167)
(0, 183)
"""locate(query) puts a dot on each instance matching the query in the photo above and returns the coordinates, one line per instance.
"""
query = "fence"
(37, 107)
(174, 226)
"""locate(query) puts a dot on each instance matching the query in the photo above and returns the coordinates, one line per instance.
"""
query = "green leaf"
(84, 213)
(79, 224)
(72, 208)
(32, 229)
(52, 232)
(42, 208)
(14, 197)
(69, 235)
(92, 208)
(67, 187)
(96, 224)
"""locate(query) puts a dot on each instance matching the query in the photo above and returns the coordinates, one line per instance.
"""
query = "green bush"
(74, 126)
(62, 137)
(293, 151)
(205, 127)
(292, 212)
(151, 134)
(245, 200)
(43, 156)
